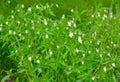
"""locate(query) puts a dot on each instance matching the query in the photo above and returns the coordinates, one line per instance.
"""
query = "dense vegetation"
(60, 42)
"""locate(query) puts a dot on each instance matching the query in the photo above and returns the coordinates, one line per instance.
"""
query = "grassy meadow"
(59, 41)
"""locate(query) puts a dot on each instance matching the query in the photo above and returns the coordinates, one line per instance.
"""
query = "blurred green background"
(7, 5)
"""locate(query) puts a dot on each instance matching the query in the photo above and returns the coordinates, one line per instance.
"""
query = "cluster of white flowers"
(79, 39)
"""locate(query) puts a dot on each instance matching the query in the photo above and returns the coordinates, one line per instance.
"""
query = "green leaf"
(5, 78)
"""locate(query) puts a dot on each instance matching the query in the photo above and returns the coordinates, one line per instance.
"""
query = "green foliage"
(78, 46)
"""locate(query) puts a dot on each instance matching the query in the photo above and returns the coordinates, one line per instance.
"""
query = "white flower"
(26, 31)
(0, 28)
(8, 1)
(89, 52)
(46, 35)
(104, 69)
(10, 31)
(69, 23)
(74, 25)
(97, 50)
(22, 6)
(76, 50)
(18, 10)
(58, 47)
(14, 32)
(92, 15)
(12, 16)
(56, 5)
(29, 58)
(83, 55)
(20, 34)
(50, 52)
(82, 62)
(38, 61)
(7, 23)
(63, 16)
(108, 54)
(18, 22)
(93, 78)
(37, 6)
(72, 10)
(29, 9)
(71, 34)
(45, 22)
(101, 55)
(79, 39)
(113, 64)
(29, 46)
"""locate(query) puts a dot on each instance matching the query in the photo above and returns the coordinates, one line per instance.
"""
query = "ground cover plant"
(80, 46)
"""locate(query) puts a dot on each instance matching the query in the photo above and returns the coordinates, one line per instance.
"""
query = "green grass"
(78, 46)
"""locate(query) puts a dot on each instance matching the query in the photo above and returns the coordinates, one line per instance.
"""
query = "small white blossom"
(92, 15)
(9, 2)
(38, 61)
(63, 16)
(29, 46)
(108, 54)
(29, 58)
(37, 6)
(45, 22)
(18, 10)
(89, 52)
(83, 55)
(76, 50)
(50, 52)
(113, 64)
(20, 34)
(93, 78)
(0, 28)
(46, 36)
(104, 69)
(26, 31)
(82, 62)
(56, 5)
(16, 51)
(71, 34)
(97, 50)
(72, 10)
(79, 39)
(10, 31)
(29, 9)
(14, 32)
(69, 23)
(18, 22)
(12, 16)
(101, 55)
(74, 25)
(58, 46)
(6, 23)
(22, 6)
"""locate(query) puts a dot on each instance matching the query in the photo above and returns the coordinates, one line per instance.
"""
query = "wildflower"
(37, 7)
(18, 22)
(72, 10)
(74, 25)
(79, 39)
(12, 16)
(14, 32)
(98, 42)
(22, 6)
(45, 22)
(76, 50)
(10, 31)
(18, 10)
(46, 35)
(101, 55)
(92, 15)
(7, 23)
(29, 9)
(9, 2)
(50, 52)
(89, 52)
(104, 69)
(108, 54)
(71, 34)
(26, 31)
(63, 16)
(58, 46)
(29, 46)
(82, 62)
(113, 64)
(69, 23)
(93, 78)
(16, 51)
(38, 61)
(83, 55)
(0, 28)
(97, 50)
(20, 34)
(29, 58)
(56, 5)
